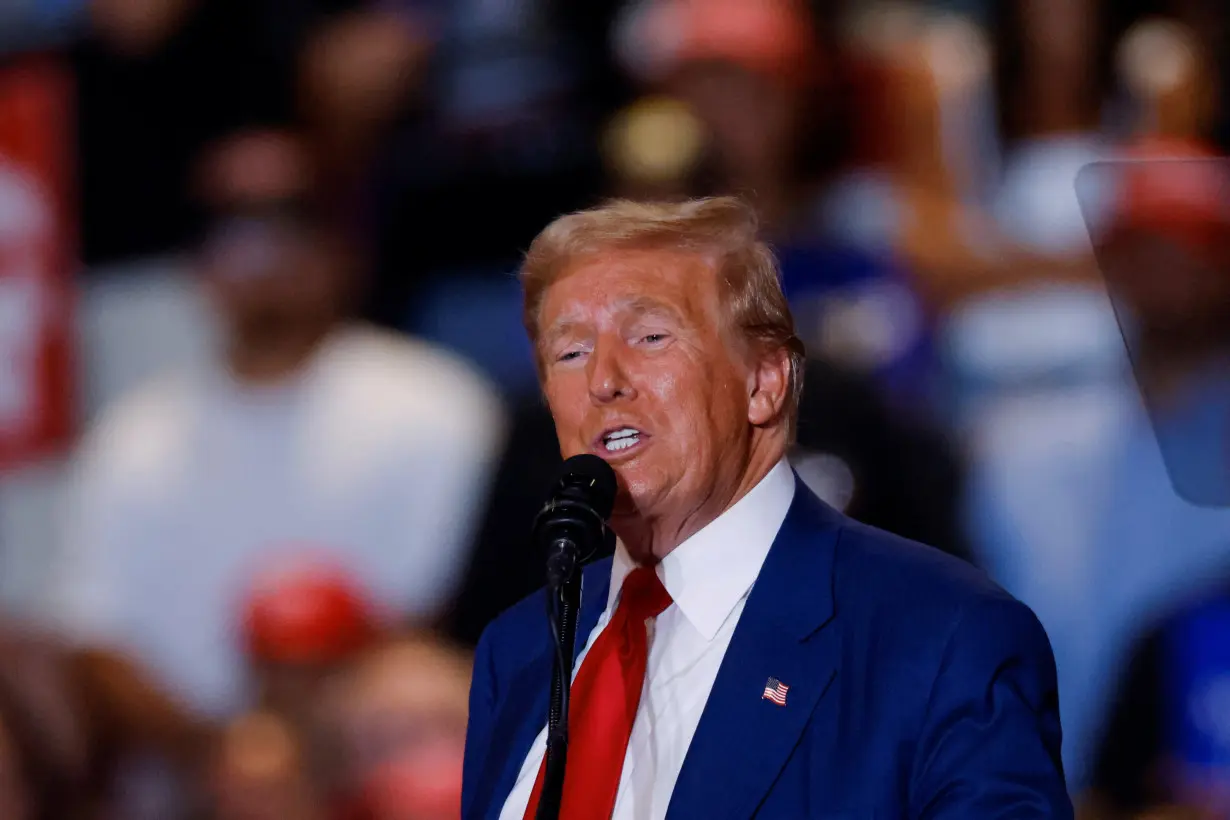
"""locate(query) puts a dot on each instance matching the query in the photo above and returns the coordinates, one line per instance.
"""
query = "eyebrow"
(639, 305)
(556, 331)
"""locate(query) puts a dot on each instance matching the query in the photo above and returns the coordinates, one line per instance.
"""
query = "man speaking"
(748, 651)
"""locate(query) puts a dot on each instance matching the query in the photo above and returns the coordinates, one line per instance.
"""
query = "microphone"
(571, 527)
(572, 523)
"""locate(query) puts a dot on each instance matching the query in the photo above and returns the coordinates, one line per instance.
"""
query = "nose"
(608, 377)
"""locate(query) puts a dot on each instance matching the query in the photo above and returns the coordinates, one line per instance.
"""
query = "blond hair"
(723, 230)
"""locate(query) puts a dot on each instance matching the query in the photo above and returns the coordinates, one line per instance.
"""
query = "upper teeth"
(621, 439)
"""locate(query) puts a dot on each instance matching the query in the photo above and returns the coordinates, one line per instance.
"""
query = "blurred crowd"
(271, 439)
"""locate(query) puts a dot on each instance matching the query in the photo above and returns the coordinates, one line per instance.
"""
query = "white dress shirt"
(708, 577)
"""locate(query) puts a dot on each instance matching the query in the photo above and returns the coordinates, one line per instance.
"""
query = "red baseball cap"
(774, 38)
(1174, 187)
(307, 613)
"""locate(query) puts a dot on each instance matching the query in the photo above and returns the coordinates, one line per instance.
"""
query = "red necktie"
(605, 696)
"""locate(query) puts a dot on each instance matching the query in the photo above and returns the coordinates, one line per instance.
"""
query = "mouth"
(618, 442)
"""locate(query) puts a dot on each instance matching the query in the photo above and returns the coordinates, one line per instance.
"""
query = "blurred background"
(270, 435)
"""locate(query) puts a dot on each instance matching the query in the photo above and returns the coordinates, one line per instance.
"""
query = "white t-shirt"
(378, 454)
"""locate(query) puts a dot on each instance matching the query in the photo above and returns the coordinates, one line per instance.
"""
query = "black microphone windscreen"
(591, 470)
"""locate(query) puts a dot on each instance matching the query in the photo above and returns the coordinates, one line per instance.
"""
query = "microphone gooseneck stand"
(572, 527)
(563, 602)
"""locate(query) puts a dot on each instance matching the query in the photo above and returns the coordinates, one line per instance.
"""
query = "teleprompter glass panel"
(1160, 228)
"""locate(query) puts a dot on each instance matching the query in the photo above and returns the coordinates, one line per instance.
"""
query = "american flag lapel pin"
(775, 691)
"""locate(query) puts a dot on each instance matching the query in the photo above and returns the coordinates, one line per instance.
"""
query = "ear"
(768, 383)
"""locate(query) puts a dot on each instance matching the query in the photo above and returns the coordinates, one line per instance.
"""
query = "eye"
(654, 338)
(569, 355)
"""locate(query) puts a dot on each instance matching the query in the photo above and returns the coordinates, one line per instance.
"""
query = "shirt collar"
(710, 572)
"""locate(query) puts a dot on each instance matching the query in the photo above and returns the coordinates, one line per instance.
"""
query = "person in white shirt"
(310, 435)
(748, 650)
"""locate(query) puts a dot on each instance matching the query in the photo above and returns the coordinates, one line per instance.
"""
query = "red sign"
(36, 252)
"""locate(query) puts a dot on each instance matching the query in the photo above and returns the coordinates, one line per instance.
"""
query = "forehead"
(634, 281)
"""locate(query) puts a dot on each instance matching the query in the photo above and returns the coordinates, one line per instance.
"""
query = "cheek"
(663, 384)
(729, 400)
(568, 402)
(688, 398)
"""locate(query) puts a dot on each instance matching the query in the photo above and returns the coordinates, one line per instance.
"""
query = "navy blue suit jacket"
(918, 689)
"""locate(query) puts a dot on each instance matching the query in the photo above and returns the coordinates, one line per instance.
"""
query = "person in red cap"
(751, 71)
(1165, 253)
(1163, 246)
(1164, 249)
(303, 625)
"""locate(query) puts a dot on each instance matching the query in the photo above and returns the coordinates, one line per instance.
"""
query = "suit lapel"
(523, 707)
(785, 632)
